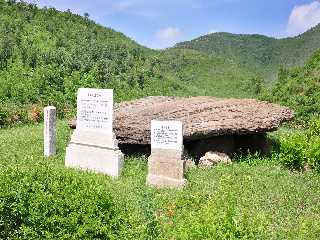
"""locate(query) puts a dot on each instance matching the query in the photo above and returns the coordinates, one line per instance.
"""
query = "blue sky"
(162, 23)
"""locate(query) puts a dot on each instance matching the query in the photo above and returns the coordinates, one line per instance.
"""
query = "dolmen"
(209, 124)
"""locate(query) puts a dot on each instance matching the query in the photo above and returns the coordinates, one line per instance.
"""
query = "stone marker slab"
(166, 135)
(93, 145)
(165, 166)
(50, 138)
(95, 109)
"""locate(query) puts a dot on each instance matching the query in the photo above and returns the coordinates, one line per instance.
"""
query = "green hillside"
(204, 74)
(50, 54)
(46, 55)
(260, 54)
(298, 88)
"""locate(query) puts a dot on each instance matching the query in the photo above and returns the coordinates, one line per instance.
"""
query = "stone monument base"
(161, 181)
(166, 169)
(85, 153)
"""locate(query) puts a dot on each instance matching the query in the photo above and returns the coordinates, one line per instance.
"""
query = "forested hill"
(298, 88)
(260, 54)
(46, 55)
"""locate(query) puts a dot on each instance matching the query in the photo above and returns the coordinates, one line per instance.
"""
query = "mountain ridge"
(46, 55)
(259, 53)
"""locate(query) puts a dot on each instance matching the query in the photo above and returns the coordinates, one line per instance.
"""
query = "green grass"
(252, 199)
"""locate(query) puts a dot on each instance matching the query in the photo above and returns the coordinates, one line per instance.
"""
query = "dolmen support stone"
(165, 164)
(93, 144)
(49, 133)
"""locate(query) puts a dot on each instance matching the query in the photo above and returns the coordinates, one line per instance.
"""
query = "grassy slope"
(259, 200)
(260, 54)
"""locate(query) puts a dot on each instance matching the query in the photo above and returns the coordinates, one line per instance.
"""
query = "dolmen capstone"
(209, 124)
(93, 145)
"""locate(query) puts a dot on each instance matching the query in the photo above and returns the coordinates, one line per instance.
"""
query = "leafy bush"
(47, 204)
(301, 149)
(293, 151)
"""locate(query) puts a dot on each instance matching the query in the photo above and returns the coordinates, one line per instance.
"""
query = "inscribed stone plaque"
(95, 109)
(166, 135)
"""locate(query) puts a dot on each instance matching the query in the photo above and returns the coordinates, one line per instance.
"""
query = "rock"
(213, 158)
(307, 168)
(224, 144)
(202, 117)
(73, 123)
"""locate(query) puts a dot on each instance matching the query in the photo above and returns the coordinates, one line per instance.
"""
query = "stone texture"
(165, 182)
(214, 158)
(166, 169)
(167, 163)
(224, 144)
(50, 138)
(202, 117)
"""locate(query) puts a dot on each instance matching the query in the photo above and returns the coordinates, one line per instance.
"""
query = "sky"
(160, 24)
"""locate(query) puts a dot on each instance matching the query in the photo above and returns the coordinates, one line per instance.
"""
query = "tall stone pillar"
(50, 138)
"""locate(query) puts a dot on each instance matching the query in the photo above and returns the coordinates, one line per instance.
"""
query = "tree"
(86, 15)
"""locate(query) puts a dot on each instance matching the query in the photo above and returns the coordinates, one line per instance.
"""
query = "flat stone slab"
(202, 117)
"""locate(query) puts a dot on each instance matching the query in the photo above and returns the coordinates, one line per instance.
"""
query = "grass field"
(255, 198)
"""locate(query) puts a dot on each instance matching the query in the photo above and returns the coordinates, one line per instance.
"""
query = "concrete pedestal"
(166, 169)
(98, 152)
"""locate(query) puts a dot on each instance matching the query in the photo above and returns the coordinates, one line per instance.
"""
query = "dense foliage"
(46, 55)
(256, 198)
(299, 89)
(260, 54)
(302, 149)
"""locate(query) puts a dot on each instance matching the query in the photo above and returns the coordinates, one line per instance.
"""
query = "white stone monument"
(49, 132)
(93, 145)
(165, 164)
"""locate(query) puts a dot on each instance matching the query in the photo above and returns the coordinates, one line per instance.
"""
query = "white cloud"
(122, 6)
(168, 36)
(303, 17)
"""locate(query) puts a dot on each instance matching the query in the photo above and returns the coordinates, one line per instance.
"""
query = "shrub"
(300, 149)
(44, 203)
(314, 153)
(35, 113)
(292, 151)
